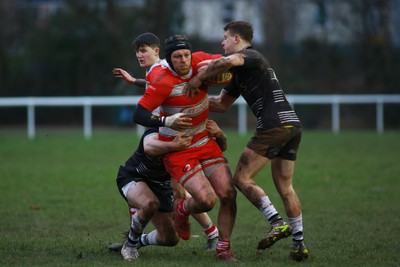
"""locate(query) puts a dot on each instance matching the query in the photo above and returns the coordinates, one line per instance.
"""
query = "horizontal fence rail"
(87, 102)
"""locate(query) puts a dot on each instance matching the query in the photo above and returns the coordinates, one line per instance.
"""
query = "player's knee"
(231, 194)
(208, 202)
(239, 181)
(228, 193)
(228, 196)
(172, 240)
(169, 238)
(151, 205)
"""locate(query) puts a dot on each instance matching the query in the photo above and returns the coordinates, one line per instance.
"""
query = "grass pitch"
(59, 204)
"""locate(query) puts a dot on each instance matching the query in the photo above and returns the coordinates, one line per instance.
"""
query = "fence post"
(335, 115)
(379, 116)
(31, 120)
(87, 120)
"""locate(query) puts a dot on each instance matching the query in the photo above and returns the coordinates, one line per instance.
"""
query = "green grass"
(59, 204)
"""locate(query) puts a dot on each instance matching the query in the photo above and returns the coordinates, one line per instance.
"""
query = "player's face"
(147, 56)
(229, 43)
(182, 60)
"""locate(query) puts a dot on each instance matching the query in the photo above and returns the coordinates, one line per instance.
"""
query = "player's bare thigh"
(220, 177)
(250, 163)
(140, 195)
(201, 190)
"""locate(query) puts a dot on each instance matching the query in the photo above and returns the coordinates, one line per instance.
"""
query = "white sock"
(297, 226)
(268, 209)
(211, 232)
(149, 239)
(137, 228)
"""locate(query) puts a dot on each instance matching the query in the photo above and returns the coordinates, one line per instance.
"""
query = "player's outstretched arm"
(120, 73)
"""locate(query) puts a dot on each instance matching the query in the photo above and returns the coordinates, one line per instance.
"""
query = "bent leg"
(165, 234)
(203, 197)
(250, 163)
(141, 197)
(138, 196)
(209, 229)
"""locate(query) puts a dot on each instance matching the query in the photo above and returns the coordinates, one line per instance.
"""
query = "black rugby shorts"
(280, 142)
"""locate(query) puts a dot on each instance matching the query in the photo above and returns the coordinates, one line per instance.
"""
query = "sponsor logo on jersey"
(199, 108)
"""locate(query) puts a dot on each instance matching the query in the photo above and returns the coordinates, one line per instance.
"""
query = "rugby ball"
(218, 80)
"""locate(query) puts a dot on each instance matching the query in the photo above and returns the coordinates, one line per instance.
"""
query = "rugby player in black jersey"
(276, 138)
(146, 186)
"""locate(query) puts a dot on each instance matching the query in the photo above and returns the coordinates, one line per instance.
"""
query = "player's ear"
(157, 51)
(237, 38)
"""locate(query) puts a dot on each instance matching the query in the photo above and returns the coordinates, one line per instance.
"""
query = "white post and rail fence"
(88, 102)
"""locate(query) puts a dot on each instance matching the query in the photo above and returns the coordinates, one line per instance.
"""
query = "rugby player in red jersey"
(147, 47)
(201, 168)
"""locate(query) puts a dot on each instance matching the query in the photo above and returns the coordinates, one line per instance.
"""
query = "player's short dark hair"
(173, 43)
(242, 28)
(146, 39)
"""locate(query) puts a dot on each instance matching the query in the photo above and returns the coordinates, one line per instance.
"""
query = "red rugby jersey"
(164, 90)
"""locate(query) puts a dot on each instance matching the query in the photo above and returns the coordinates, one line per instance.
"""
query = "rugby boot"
(130, 252)
(227, 257)
(277, 232)
(211, 244)
(298, 251)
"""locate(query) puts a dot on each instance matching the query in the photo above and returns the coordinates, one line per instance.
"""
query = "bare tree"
(369, 24)
(12, 32)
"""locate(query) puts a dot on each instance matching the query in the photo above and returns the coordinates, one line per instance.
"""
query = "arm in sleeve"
(177, 121)
(144, 117)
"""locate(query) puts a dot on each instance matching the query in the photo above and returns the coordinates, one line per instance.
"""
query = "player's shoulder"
(161, 64)
(252, 58)
(200, 56)
(157, 67)
(161, 77)
(251, 52)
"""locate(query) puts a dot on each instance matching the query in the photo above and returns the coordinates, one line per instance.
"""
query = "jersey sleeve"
(232, 89)
(156, 93)
(199, 56)
(251, 58)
